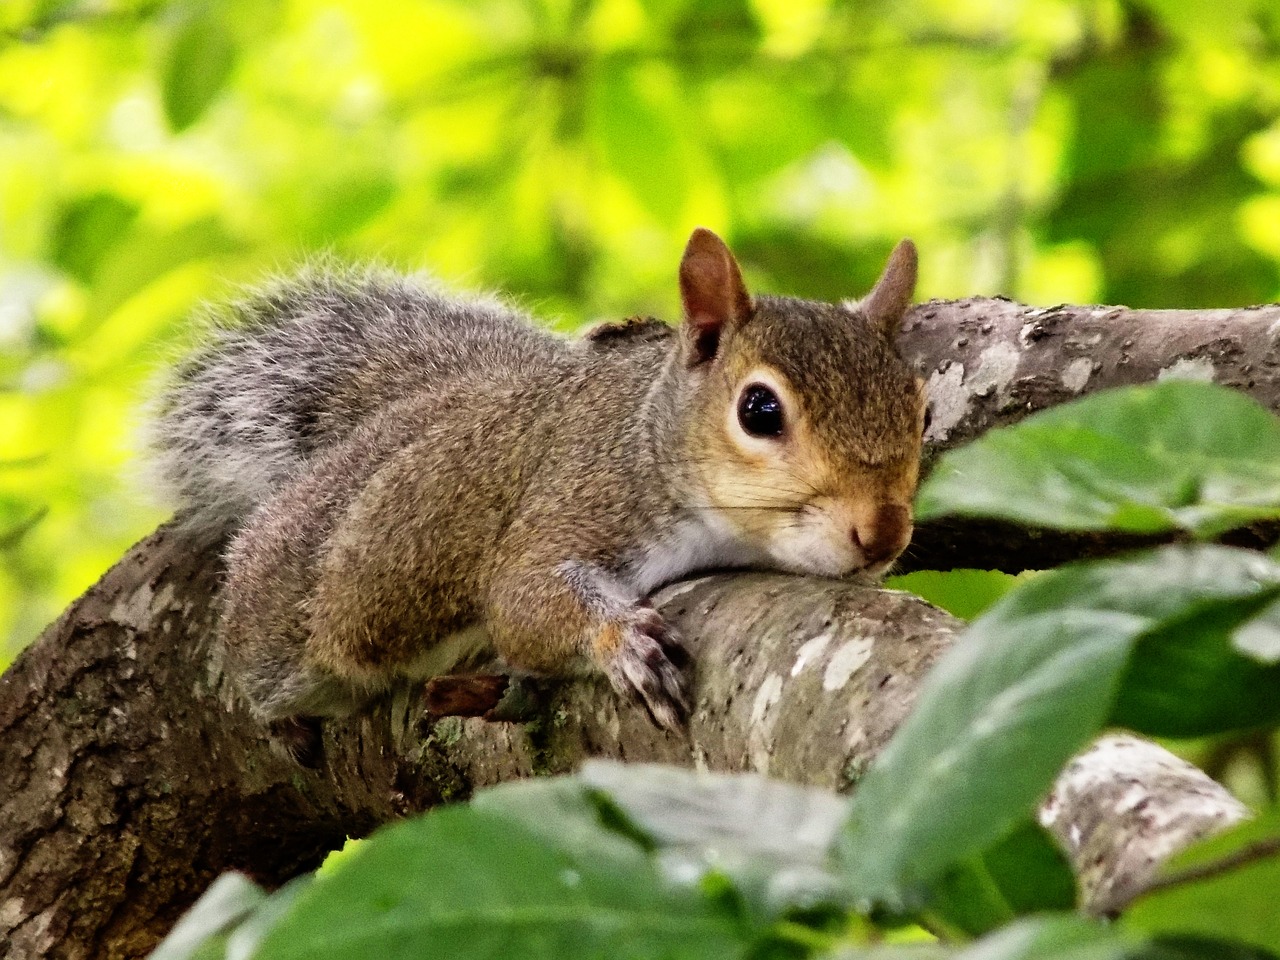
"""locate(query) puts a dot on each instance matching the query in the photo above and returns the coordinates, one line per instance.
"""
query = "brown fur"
(523, 505)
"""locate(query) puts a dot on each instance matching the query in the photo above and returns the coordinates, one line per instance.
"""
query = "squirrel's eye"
(760, 411)
(928, 419)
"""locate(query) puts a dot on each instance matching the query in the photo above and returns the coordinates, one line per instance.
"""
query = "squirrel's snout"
(884, 533)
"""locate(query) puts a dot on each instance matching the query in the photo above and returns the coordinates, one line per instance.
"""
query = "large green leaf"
(772, 840)
(1235, 896)
(672, 862)
(1027, 686)
(466, 882)
(1022, 873)
(1172, 455)
(1187, 677)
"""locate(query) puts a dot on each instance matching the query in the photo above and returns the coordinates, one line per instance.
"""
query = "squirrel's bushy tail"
(296, 364)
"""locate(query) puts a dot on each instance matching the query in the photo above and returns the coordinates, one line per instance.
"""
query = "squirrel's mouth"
(875, 573)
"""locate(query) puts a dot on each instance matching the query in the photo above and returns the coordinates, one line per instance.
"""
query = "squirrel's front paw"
(645, 659)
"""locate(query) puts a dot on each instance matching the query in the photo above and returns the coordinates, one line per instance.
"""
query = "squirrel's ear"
(890, 298)
(712, 292)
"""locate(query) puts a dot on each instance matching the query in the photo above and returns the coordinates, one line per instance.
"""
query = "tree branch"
(1122, 808)
(130, 776)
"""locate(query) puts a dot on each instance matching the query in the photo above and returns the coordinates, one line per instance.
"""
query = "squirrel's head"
(806, 423)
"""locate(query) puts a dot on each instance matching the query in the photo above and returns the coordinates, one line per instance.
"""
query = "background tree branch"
(130, 776)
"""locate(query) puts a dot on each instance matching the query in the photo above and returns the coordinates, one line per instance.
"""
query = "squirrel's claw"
(647, 663)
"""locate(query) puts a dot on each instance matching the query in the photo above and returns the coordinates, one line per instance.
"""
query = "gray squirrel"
(410, 480)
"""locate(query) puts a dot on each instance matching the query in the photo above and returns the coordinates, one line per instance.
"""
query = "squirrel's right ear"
(890, 298)
(712, 292)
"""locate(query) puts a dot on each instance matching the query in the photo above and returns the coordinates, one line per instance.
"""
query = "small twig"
(1204, 871)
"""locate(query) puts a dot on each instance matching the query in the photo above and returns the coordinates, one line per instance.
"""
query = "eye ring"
(760, 411)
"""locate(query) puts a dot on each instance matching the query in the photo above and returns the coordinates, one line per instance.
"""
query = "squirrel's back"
(295, 365)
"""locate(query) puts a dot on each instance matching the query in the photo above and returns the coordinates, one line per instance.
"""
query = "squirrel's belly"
(705, 543)
(459, 652)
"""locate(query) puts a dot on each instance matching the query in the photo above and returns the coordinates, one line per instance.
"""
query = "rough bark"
(129, 776)
(1124, 806)
(989, 362)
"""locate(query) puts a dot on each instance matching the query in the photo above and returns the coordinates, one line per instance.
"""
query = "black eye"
(928, 418)
(760, 411)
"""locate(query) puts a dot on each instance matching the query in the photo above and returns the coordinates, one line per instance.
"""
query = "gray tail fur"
(293, 366)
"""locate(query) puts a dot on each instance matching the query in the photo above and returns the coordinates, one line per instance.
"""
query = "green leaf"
(1020, 705)
(1259, 637)
(900, 951)
(1024, 872)
(1234, 896)
(1186, 677)
(465, 882)
(1197, 948)
(1027, 686)
(142, 258)
(962, 593)
(1059, 936)
(772, 840)
(243, 941)
(339, 200)
(1172, 455)
(87, 230)
(1053, 937)
(200, 60)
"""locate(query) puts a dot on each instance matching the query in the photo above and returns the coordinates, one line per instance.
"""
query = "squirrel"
(410, 480)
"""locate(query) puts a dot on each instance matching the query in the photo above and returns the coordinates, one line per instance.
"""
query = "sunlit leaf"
(636, 118)
(200, 60)
(962, 593)
(87, 230)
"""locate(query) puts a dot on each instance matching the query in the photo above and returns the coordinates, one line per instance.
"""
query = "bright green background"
(154, 154)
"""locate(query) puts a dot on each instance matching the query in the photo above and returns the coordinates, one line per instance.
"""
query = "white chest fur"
(704, 543)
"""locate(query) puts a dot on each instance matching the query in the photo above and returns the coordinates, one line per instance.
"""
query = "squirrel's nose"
(884, 533)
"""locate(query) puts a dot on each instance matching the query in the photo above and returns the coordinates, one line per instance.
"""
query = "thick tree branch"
(130, 776)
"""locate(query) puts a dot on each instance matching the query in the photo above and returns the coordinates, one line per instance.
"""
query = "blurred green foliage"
(153, 154)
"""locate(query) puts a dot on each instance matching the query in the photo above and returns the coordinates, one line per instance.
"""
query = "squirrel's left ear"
(712, 292)
(890, 298)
